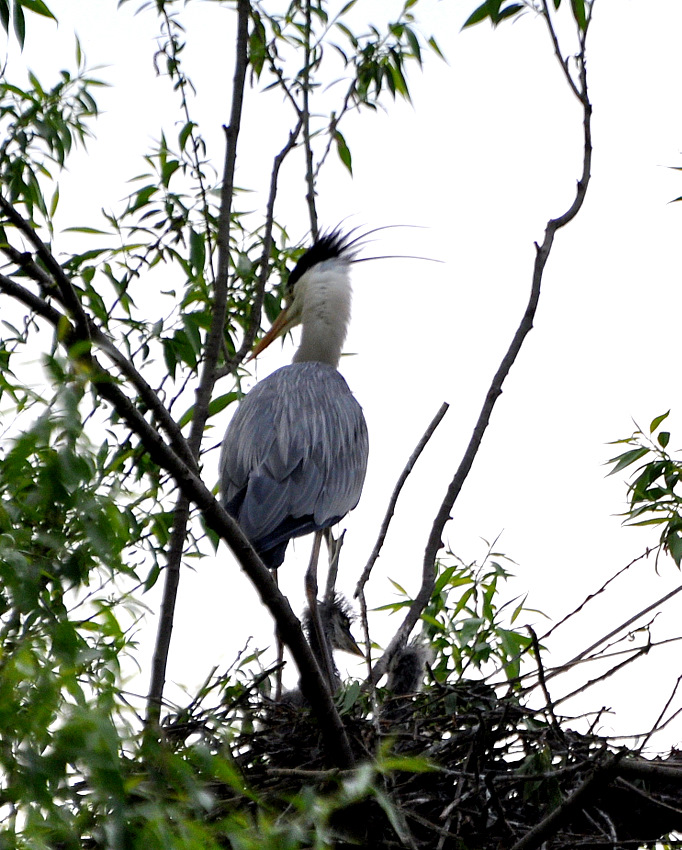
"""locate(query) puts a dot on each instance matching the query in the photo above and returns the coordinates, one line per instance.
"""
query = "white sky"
(489, 150)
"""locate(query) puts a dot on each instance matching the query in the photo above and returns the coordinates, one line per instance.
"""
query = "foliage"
(15, 13)
(497, 11)
(654, 489)
(464, 622)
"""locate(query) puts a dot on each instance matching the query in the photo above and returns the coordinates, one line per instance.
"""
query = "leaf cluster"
(465, 623)
(654, 490)
(497, 11)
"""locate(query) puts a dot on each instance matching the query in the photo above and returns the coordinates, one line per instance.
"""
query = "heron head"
(334, 246)
(336, 618)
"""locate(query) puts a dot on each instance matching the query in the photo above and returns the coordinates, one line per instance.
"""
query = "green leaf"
(578, 9)
(432, 621)
(664, 438)
(478, 15)
(197, 251)
(220, 403)
(509, 11)
(19, 23)
(398, 587)
(657, 421)
(38, 7)
(410, 764)
(343, 151)
(674, 544)
(627, 458)
(54, 202)
(436, 49)
(414, 44)
(185, 133)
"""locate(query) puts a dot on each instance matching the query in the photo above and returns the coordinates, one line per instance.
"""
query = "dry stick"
(638, 653)
(542, 254)
(644, 769)
(208, 374)
(594, 595)
(549, 825)
(565, 619)
(435, 422)
(657, 725)
(613, 632)
(543, 682)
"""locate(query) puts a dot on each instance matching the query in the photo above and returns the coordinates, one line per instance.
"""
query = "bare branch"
(657, 724)
(216, 332)
(620, 628)
(541, 256)
(309, 166)
(594, 595)
(257, 304)
(543, 682)
(409, 466)
(208, 375)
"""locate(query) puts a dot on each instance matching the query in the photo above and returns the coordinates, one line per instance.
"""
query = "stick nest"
(457, 767)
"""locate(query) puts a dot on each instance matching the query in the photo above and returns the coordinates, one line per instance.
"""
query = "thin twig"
(309, 171)
(579, 657)
(551, 823)
(594, 595)
(543, 683)
(409, 466)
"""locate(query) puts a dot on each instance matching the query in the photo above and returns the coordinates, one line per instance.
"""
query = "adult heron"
(294, 456)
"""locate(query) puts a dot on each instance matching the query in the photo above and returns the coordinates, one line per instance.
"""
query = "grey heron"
(294, 456)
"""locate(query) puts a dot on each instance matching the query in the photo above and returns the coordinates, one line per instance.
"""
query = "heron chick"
(335, 617)
(407, 668)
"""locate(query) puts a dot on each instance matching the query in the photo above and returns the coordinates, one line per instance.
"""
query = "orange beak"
(280, 326)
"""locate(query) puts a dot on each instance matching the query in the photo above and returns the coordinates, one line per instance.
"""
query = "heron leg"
(334, 545)
(325, 659)
(279, 644)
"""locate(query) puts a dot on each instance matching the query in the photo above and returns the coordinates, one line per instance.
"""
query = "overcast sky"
(488, 151)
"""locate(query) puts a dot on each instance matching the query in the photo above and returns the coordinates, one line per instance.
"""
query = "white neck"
(326, 294)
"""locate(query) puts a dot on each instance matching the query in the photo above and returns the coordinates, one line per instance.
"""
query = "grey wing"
(297, 447)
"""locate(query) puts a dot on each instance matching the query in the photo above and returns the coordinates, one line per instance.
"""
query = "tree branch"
(435, 541)
(309, 169)
(208, 377)
(390, 510)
